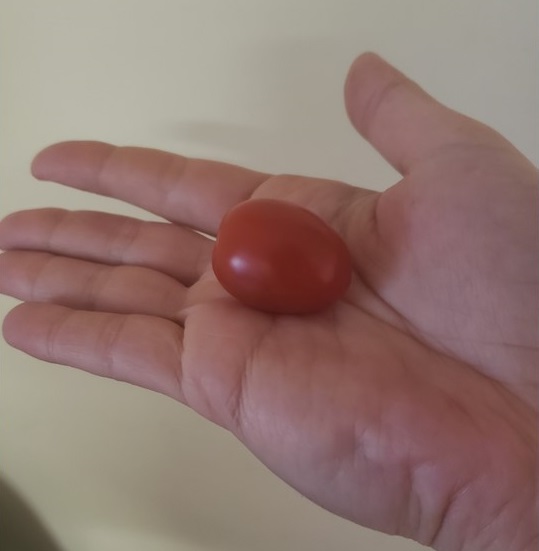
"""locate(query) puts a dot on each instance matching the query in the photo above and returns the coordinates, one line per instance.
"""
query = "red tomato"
(278, 257)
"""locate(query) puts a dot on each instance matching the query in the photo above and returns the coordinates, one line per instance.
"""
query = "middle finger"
(109, 239)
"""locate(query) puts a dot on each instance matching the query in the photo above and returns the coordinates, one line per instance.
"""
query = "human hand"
(410, 406)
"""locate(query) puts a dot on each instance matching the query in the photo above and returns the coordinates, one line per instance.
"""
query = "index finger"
(192, 192)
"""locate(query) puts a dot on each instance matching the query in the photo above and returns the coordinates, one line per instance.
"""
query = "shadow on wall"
(298, 122)
(20, 528)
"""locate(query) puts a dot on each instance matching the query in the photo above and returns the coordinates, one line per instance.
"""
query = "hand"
(411, 406)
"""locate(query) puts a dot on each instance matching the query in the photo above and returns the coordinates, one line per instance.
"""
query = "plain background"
(110, 467)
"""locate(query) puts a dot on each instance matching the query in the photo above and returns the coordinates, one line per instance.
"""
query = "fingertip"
(6, 224)
(367, 60)
(7, 229)
(35, 167)
(368, 74)
(42, 159)
(360, 68)
(13, 325)
(19, 229)
(29, 325)
(58, 161)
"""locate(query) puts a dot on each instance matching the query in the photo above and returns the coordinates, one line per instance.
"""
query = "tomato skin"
(280, 258)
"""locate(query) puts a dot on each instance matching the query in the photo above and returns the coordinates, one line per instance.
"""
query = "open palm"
(409, 406)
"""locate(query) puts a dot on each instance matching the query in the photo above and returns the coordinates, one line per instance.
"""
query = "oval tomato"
(281, 258)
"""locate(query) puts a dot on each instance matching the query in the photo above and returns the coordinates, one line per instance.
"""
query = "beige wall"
(110, 467)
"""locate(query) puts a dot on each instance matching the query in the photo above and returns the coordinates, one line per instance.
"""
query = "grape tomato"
(278, 257)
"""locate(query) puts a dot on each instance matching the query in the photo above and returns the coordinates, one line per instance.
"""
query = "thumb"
(402, 121)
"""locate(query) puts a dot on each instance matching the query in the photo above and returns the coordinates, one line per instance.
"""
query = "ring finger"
(44, 277)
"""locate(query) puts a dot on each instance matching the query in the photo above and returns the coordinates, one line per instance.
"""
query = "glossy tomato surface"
(278, 257)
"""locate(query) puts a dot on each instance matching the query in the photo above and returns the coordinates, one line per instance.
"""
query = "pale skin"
(411, 405)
